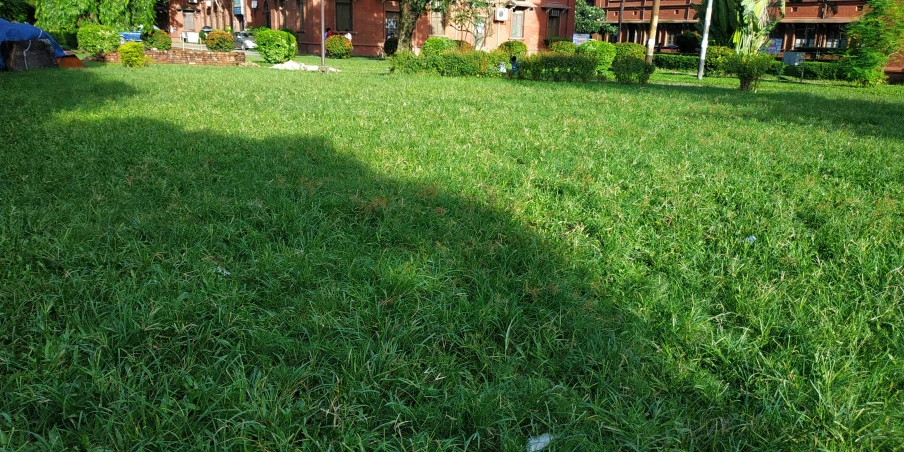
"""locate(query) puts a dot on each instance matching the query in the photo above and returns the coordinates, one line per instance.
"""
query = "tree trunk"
(407, 23)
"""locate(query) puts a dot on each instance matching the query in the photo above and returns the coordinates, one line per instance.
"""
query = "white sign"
(580, 38)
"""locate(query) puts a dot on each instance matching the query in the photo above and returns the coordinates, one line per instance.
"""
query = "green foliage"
(97, 38)
(563, 47)
(131, 54)
(464, 46)
(67, 39)
(603, 52)
(874, 38)
(459, 63)
(686, 63)
(814, 70)
(588, 19)
(255, 30)
(630, 49)
(750, 69)
(436, 45)
(558, 67)
(725, 20)
(631, 69)
(517, 49)
(156, 39)
(119, 14)
(276, 46)
(338, 46)
(550, 41)
(717, 58)
(17, 10)
(757, 19)
(390, 46)
(219, 41)
(407, 62)
(688, 42)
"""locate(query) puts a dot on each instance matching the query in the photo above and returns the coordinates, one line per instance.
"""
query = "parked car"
(244, 40)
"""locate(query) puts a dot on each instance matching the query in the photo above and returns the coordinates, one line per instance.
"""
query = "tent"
(25, 32)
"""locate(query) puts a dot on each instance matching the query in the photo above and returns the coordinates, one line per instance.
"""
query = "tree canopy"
(120, 14)
(590, 19)
(17, 10)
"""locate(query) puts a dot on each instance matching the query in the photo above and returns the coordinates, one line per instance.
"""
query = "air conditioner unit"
(502, 14)
(195, 2)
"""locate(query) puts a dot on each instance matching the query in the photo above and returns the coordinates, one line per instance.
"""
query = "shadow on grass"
(877, 118)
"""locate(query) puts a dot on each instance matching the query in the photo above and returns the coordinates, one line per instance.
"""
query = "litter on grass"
(538, 443)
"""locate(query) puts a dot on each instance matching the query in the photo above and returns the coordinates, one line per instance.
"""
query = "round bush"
(338, 46)
(97, 38)
(603, 52)
(631, 69)
(437, 45)
(157, 39)
(390, 46)
(717, 59)
(276, 46)
(65, 38)
(749, 69)
(464, 46)
(219, 41)
(131, 54)
(406, 62)
(563, 47)
(688, 42)
(630, 49)
(517, 49)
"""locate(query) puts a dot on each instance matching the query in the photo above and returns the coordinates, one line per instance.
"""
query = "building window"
(518, 24)
(552, 23)
(343, 15)
(392, 23)
(268, 22)
(188, 19)
(299, 4)
(436, 24)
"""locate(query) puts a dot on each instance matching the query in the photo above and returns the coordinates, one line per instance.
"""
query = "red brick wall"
(196, 57)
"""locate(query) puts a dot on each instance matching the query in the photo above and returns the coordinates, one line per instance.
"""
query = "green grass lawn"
(198, 258)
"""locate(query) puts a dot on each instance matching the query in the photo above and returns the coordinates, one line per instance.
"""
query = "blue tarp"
(24, 32)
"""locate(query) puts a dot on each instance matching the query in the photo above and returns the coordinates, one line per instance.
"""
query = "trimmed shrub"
(255, 30)
(276, 46)
(157, 39)
(750, 69)
(457, 63)
(464, 46)
(131, 54)
(338, 46)
(558, 67)
(390, 46)
(517, 49)
(97, 38)
(717, 58)
(219, 41)
(65, 38)
(813, 70)
(603, 52)
(630, 49)
(550, 41)
(437, 45)
(563, 47)
(687, 63)
(631, 69)
(688, 42)
(406, 62)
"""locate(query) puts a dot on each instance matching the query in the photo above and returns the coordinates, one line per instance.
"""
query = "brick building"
(810, 26)
(371, 21)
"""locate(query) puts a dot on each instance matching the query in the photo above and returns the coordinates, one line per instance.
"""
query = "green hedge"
(131, 54)
(603, 52)
(65, 38)
(517, 49)
(563, 47)
(276, 46)
(630, 49)
(157, 39)
(437, 45)
(451, 63)
(814, 70)
(558, 67)
(390, 46)
(631, 69)
(717, 58)
(687, 63)
(98, 38)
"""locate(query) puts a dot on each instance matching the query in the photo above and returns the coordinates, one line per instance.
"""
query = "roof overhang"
(555, 5)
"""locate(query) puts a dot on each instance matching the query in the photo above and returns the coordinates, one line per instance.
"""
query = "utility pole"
(322, 37)
(654, 22)
(621, 13)
(705, 44)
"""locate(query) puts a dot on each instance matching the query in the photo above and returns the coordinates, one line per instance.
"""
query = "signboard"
(773, 47)
(580, 38)
(793, 58)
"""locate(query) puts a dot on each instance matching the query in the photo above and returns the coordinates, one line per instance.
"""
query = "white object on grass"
(538, 443)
